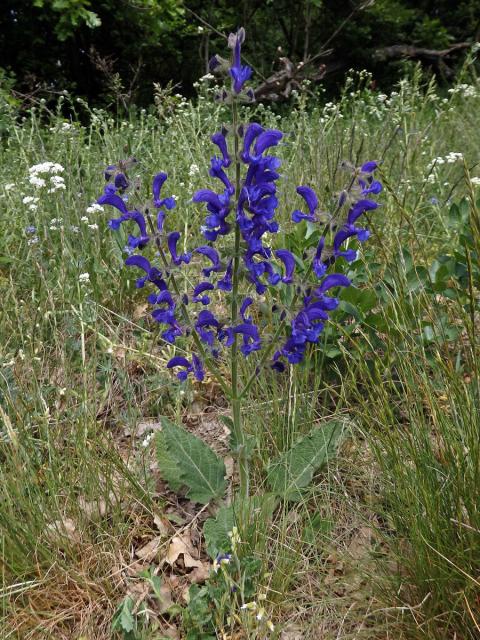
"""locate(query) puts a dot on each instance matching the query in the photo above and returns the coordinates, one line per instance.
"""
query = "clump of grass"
(417, 407)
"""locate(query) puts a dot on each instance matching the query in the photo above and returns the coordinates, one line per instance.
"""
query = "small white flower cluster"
(57, 183)
(450, 158)
(84, 278)
(37, 176)
(475, 181)
(94, 208)
(465, 90)
(146, 441)
(9, 186)
(194, 170)
(93, 226)
(31, 201)
(56, 224)
(63, 127)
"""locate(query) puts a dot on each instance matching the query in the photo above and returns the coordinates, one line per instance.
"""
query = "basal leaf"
(216, 532)
(185, 460)
(294, 469)
(167, 462)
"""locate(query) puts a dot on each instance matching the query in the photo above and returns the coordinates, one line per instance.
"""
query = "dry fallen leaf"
(143, 427)
(66, 527)
(148, 552)
(96, 508)
(229, 466)
(139, 311)
(181, 548)
(163, 525)
(361, 544)
(291, 632)
(180, 545)
(200, 573)
(166, 599)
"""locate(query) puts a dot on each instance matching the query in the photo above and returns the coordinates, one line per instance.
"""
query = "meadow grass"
(386, 542)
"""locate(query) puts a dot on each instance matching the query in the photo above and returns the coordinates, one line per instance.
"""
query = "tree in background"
(107, 49)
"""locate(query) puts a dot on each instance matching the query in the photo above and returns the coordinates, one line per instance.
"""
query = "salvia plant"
(209, 301)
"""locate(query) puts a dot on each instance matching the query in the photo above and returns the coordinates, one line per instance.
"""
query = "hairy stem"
(239, 435)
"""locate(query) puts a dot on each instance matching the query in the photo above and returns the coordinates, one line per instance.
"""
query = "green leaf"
(124, 620)
(316, 528)
(185, 460)
(294, 469)
(167, 462)
(228, 422)
(363, 299)
(215, 531)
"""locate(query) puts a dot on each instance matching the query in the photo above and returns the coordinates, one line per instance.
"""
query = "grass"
(385, 543)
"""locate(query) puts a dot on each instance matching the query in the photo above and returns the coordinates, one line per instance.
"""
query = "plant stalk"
(239, 435)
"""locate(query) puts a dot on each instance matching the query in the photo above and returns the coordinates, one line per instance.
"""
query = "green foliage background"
(53, 45)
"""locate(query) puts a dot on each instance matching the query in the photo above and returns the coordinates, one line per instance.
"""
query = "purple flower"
(369, 167)
(359, 208)
(115, 223)
(333, 280)
(311, 201)
(141, 240)
(198, 370)
(201, 288)
(195, 367)
(152, 274)
(253, 131)
(319, 267)
(120, 181)
(172, 247)
(216, 171)
(267, 139)
(225, 284)
(289, 263)
(218, 206)
(250, 337)
(212, 255)
(240, 74)
(157, 184)
(115, 201)
(206, 319)
(220, 140)
(243, 308)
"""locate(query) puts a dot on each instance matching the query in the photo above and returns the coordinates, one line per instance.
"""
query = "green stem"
(239, 435)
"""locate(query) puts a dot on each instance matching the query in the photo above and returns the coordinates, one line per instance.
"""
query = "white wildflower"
(95, 208)
(146, 441)
(37, 182)
(84, 278)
